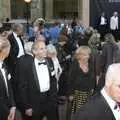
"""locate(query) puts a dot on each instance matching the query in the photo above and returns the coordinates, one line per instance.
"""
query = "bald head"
(112, 74)
(112, 83)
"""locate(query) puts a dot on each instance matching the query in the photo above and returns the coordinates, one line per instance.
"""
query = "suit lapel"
(35, 76)
(15, 42)
(50, 66)
(3, 82)
(22, 43)
(107, 110)
(14, 45)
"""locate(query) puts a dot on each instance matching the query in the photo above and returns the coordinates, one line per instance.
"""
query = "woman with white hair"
(81, 81)
(53, 54)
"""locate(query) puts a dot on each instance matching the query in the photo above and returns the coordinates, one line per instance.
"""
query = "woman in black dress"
(81, 78)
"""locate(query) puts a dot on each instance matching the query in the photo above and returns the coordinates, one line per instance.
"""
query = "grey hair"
(82, 49)
(51, 49)
(16, 26)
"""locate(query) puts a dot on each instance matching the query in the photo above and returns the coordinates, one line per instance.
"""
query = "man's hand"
(29, 112)
(11, 115)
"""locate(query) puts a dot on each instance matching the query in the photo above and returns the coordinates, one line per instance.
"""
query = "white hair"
(112, 74)
(51, 49)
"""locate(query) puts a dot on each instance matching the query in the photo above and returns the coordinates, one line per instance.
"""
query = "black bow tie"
(40, 63)
(18, 35)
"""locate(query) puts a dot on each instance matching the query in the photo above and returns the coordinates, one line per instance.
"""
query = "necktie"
(40, 63)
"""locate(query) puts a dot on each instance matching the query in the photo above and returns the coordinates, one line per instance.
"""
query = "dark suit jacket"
(14, 50)
(95, 109)
(109, 52)
(6, 100)
(28, 85)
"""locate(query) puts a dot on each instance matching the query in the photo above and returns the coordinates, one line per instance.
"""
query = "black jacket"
(6, 97)
(28, 85)
(95, 109)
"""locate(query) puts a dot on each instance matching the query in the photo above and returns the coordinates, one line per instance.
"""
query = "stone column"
(1, 11)
(49, 9)
(80, 9)
(36, 9)
(7, 8)
(84, 13)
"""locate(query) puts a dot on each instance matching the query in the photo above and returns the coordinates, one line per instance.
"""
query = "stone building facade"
(48, 9)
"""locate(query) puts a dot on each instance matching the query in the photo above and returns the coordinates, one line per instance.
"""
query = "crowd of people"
(61, 72)
(106, 24)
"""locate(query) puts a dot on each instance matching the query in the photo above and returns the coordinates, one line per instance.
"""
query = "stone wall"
(6, 9)
(45, 8)
(36, 9)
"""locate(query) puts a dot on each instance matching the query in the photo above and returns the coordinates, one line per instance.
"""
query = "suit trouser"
(48, 108)
(51, 114)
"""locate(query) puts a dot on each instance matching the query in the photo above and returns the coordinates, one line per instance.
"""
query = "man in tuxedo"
(7, 106)
(102, 25)
(37, 84)
(17, 47)
(114, 25)
(105, 105)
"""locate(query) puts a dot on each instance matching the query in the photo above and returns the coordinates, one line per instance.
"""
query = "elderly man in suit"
(7, 106)
(105, 105)
(17, 47)
(37, 84)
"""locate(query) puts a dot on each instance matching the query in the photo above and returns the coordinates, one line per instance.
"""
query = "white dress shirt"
(43, 76)
(4, 76)
(103, 21)
(21, 49)
(112, 104)
(113, 23)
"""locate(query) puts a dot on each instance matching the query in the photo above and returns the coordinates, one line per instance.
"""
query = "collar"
(14, 34)
(109, 100)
